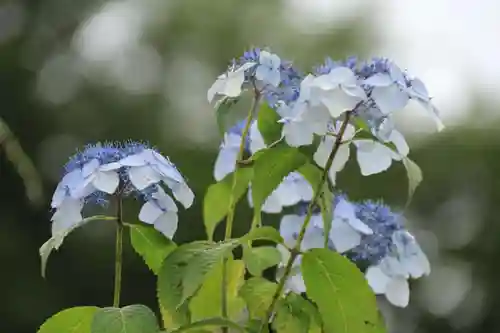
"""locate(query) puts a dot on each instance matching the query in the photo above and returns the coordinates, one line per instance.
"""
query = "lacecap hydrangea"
(101, 172)
(368, 233)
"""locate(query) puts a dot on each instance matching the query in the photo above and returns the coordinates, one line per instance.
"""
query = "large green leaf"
(129, 319)
(217, 197)
(55, 242)
(415, 177)
(270, 167)
(73, 320)
(258, 293)
(182, 274)
(207, 301)
(344, 299)
(267, 122)
(257, 259)
(263, 233)
(151, 245)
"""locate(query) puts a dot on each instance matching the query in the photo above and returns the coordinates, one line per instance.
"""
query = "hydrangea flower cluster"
(102, 171)
(368, 233)
(312, 104)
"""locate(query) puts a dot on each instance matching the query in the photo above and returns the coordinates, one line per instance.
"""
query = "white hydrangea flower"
(229, 84)
(346, 229)
(419, 93)
(148, 167)
(161, 212)
(410, 254)
(268, 70)
(390, 278)
(338, 90)
(389, 89)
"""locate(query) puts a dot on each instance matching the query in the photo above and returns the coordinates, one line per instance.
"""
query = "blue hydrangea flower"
(367, 233)
(112, 169)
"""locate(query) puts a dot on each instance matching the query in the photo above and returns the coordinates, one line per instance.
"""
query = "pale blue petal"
(373, 157)
(398, 292)
(225, 162)
(167, 224)
(377, 280)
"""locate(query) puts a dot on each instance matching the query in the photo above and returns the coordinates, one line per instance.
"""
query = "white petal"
(297, 134)
(256, 140)
(411, 255)
(285, 254)
(296, 284)
(67, 215)
(90, 168)
(272, 205)
(110, 166)
(167, 224)
(360, 227)
(225, 163)
(379, 80)
(164, 167)
(377, 280)
(337, 101)
(304, 189)
(342, 75)
(324, 149)
(181, 192)
(316, 118)
(418, 89)
(372, 157)
(150, 212)
(313, 238)
(398, 292)
(287, 193)
(289, 227)
(164, 201)
(107, 181)
(143, 176)
(341, 157)
(355, 91)
(134, 160)
(390, 99)
(343, 236)
(399, 141)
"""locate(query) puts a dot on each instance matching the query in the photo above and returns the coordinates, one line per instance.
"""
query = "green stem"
(232, 199)
(295, 252)
(118, 254)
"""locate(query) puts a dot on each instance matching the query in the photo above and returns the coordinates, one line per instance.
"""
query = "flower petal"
(398, 292)
(143, 176)
(107, 181)
(150, 212)
(372, 157)
(167, 224)
(377, 280)
(225, 162)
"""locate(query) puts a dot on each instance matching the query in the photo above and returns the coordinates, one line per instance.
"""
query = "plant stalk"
(295, 251)
(232, 199)
(118, 253)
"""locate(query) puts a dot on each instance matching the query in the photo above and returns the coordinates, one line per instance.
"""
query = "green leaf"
(415, 177)
(207, 301)
(151, 245)
(290, 318)
(344, 299)
(258, 293)
(73, 320)
(301, 310)
(218, 322)
(262, 233)
(130, 319)
(270, 167)
(55, 242)
(217, 197)
(313, 175)
(267, 122)
(258, 259)
(222, 107)
(182, 274)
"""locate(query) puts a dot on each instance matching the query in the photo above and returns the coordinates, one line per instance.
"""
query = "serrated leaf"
(290, 318)
(151, 245)
(222, 107)
(262, 233)
(258, 293)
(73, 320)
(267, 122)
(182, 274)
(217, 322)
(415, 177)
(169, 283)
(313, 175)
(55, 242)
(217, 197)
(207, 301)
(270, 167)
(257, 259)
(129, 319)
(201, 264)
(344, 299)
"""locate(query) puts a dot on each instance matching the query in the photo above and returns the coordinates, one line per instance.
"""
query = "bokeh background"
(76, 72)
